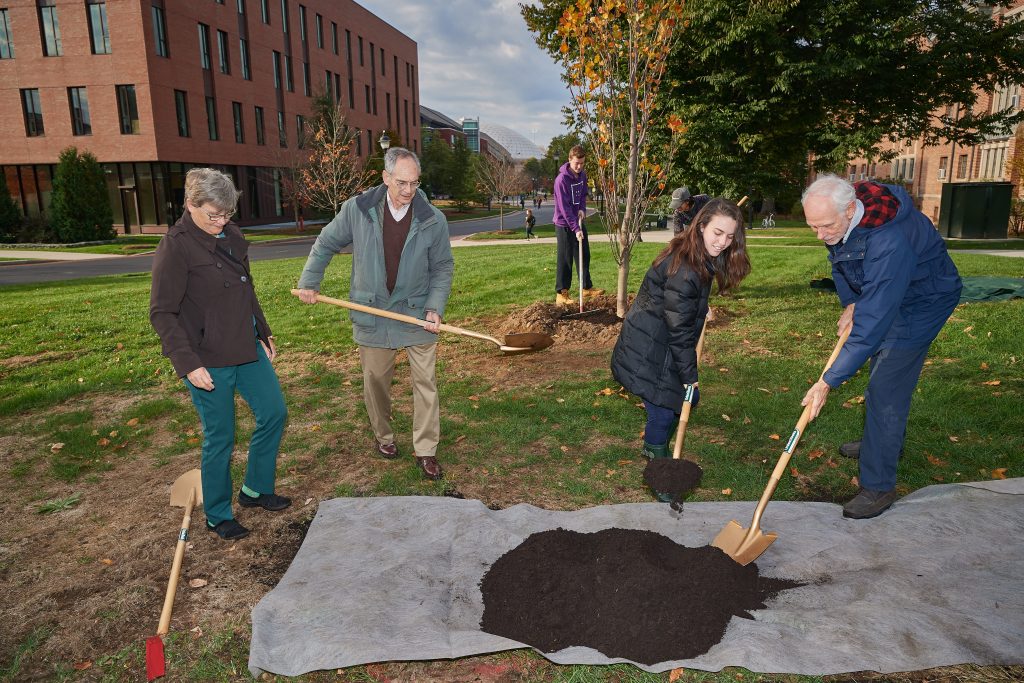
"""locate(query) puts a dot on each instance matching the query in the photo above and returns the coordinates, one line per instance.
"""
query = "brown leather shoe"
(430, 467)
(387, 450)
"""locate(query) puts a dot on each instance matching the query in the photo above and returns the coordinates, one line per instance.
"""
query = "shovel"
(579, 277)
(187, 492)
(682, 470)
(746, 545)
(520, 342)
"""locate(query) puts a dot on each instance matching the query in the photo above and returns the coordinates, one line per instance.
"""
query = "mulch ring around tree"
(673, 477)
(627, 593)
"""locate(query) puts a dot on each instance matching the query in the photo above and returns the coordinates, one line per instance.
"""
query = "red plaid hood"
(880, 205)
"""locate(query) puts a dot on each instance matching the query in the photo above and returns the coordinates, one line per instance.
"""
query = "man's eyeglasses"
(218, 216)
(406, 184)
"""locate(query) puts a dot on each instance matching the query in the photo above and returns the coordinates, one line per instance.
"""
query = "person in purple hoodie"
(570, 210)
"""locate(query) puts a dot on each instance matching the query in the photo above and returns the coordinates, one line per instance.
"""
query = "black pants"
(567, 257)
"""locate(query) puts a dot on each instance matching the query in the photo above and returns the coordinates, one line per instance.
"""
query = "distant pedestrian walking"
(531, 221)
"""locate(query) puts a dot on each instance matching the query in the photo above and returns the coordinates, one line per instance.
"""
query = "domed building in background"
(518, 146)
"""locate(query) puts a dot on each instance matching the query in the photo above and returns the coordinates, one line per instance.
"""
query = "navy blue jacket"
(901, 278)
(656, 353)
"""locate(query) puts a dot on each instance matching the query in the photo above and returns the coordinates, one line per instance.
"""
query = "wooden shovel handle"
(794, 439)
(179, 553)
(684, 418)
(401, 317)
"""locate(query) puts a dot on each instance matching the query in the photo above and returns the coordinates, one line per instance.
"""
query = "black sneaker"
(867, 504)
(267, 501)
(229, 530)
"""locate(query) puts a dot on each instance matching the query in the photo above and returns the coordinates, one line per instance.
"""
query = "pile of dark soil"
(626, 593)
(598, 328)
(674, 477)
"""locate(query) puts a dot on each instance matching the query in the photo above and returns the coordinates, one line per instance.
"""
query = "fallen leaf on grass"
(315, 428)
(747, 420)
(103, 442)
(726, 492)
(607, 391)
(984, 366)
(460, 437)
(307, 501)
(999, 473)
(82, 666)
(954, 439)
(855, 481)
(608, 473)
(815, 454)
(474, 398)
(56, 447)
(197, 632)
(132, 422)
(674, 675)
(113, 434)
(774, 437)
(198, 583)
(723, 369)
(993, 383)
(935, 461)
(560, 400)
(564, 449)
(107, 561)
(625, 462)
(726, 417)
(767, 391)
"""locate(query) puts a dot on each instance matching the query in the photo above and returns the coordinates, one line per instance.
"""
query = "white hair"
(394, 154)
(833, 187)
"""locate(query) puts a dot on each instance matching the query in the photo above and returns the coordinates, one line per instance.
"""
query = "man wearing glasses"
(401, 262)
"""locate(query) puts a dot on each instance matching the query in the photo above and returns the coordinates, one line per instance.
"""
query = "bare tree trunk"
(622, 285)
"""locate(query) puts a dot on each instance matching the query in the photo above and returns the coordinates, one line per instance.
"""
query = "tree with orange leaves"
(332, 172)
(614, 53)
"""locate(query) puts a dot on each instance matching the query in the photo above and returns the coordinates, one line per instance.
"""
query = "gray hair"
(832, 187)
(394, 154)
(208, 185)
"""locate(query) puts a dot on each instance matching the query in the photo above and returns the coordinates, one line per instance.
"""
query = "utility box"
(975, 210)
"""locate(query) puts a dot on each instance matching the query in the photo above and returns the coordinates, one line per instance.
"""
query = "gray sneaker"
(867, 504)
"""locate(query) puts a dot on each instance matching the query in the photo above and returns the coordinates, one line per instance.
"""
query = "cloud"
(478, 59)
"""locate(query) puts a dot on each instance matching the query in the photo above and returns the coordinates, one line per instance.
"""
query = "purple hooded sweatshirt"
(570, 197)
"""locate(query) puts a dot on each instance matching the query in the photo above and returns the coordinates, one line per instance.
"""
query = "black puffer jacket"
(656, 353)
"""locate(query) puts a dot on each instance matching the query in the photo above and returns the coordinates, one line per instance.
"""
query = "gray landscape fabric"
(935, 581)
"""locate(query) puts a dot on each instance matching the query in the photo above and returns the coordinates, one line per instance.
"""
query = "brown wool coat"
(202, 303)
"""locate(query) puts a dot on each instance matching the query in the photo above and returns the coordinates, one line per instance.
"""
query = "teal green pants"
(257, 383)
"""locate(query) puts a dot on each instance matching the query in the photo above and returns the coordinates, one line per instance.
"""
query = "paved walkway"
(48, 255)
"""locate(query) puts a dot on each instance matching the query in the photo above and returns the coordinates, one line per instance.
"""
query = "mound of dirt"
(598, 327)
(674, 477)
(624, 592)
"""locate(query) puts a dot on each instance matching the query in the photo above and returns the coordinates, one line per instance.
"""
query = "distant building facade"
(155, 87)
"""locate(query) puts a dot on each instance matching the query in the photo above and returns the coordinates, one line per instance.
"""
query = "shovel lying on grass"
(187, 492)
(520, 342)
(677, 476)
(746, 545)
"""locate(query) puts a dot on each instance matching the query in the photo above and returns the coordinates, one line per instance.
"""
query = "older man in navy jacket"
(898, 287)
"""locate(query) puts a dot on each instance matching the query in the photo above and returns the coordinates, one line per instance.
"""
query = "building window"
(328, 89)
(277, 70)
(387, 97)
(367, 99)
(50, 28)
(81, 121)
(98, 30)
(361, 51)
(359, 143)
(236, 113)
(282, 134)
(127, 109)
(284, 16)
(943, 166)
(160, 32)
(204, 46)
(302, 23)
(32, 111)
(300, 131)
(334, 37)
(243, 51)
(961, 166)
(211, 118)
(306, 86)
(289, 81)
(241, 6)
(181, 108)
(222, 52)
(382, 70)
(264, 11)
(6, 37)
(319, 31)
(261, 138)
(910, 169)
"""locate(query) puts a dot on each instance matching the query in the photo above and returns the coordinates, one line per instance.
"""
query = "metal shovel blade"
(741, 545)
(190, 481)
(526, 342)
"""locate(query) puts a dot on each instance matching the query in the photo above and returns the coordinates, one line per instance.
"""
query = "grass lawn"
(94, 428)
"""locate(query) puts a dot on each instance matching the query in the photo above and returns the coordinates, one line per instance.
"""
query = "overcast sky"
(478, 59)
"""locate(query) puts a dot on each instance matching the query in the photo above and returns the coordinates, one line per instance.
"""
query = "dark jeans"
(659, 424)
(894, 375)
(567, 257)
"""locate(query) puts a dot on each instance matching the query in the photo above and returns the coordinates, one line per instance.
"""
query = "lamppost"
(384, 141)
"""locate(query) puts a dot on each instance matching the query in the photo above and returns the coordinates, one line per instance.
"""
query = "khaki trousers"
(378, 369)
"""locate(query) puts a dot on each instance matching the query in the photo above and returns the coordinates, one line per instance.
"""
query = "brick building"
(925, 169)
(155, 87)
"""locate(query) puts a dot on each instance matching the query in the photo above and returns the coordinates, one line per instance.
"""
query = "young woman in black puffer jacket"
(655, 356)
